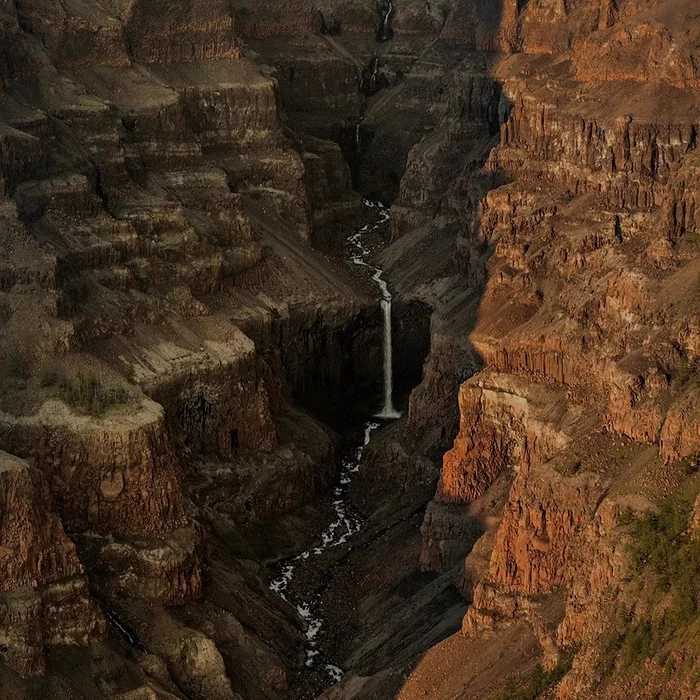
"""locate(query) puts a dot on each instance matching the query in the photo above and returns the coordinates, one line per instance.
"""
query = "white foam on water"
(359, 257)
(335, 673)
(337, 532)
(346, 523)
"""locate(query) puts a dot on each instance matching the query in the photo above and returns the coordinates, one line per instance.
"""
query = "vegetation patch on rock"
(663, 545)
(536, 683)
(86, 391)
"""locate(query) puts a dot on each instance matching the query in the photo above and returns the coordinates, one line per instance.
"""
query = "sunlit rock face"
(586, 292)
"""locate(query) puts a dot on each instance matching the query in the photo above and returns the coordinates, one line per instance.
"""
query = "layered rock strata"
(587, 282)
(158, 220)
(44, 596)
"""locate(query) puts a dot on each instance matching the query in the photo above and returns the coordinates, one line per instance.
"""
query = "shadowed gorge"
(349, 350)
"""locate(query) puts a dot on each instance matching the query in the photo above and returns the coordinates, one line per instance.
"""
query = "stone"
(176, 184)
(44, 597)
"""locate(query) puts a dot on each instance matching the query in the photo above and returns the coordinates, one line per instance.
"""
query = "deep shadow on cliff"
(162, 314)
(162, 309)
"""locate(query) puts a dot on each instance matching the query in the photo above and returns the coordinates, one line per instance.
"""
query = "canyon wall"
(45, 599)
(162, 311)
(174, 182)
(588, 266)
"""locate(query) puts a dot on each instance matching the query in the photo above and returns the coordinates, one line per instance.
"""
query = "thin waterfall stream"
(359, 257)
(385, 32)
(347, 522)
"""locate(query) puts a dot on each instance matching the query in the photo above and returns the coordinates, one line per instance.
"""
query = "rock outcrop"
(506, 429)
(44, 596)
(175, 181)
(115, 475)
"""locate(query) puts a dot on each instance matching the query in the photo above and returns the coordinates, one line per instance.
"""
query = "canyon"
(349, 349)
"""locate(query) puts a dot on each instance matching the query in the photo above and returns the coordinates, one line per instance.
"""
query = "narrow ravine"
(347, 522)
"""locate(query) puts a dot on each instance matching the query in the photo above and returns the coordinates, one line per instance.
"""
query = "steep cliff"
(589, 292)
(44, 599)
(176, 181)
(162, 309)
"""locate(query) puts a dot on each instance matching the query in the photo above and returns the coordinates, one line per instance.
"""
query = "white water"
(338, 532)
(346, 522)
(387, 16)
(359, 257)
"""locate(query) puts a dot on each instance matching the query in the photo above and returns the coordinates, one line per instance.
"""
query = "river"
(347, 522)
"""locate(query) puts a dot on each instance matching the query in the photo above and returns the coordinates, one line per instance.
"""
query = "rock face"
(542, 216)
(175, 180)
(506, 428)
(158, 220)
(569, 226)
(118, 475)
(44, 597)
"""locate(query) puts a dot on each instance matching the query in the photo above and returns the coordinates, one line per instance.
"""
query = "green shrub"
(5, 312)
(538, 681)
(683, 371)
(608, 654)
(571, 467)
(640, 641)
(690, 466)
(627, 516)
(90, 393)
(663, 544)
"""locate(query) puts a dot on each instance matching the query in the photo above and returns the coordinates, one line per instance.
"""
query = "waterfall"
(385, 32)
(388, 411)
(359, 258)
(389, 12)
(347, 523)
(369, 84)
